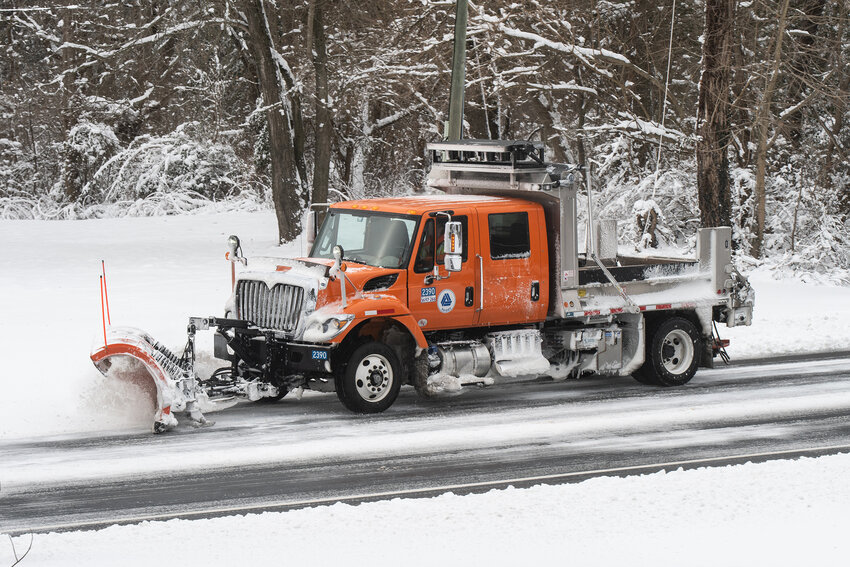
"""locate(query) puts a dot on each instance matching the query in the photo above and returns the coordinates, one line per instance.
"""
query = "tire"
(673, 351)
(371, 380)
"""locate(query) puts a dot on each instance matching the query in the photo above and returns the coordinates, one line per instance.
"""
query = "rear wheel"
(371, 380)
(673, 352)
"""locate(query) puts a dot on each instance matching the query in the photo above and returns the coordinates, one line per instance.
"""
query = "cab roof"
(417, 205)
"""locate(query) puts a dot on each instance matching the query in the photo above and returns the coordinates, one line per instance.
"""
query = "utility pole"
(455, 129)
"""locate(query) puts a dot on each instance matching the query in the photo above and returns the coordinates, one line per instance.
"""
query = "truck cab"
(398, 246)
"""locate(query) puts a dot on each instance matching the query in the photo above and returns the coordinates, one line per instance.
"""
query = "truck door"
(449, 302)
(513, 264)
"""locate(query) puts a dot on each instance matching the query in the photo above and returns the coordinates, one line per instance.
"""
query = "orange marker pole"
(232, 271)
(106, 292)
(103, 312)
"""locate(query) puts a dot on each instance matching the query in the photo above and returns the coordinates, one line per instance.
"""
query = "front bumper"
(269, 355)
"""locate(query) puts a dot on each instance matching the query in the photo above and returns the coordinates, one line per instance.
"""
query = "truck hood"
(379, 280)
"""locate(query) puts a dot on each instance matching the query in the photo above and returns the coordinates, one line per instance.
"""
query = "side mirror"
(234, 250)
(453, 246)
(311, 227)
(233, 245)
(338, 269)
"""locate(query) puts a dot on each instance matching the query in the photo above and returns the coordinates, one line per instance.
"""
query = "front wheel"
(371, 380)
(672, 353)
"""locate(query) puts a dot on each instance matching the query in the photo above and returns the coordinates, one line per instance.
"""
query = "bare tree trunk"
(551, 128)
(833, 147)
(794, 223)
(362, 148)
(805, 63)
(7, 26)
(581, 111)
(286, 188)
(762, 128)
(712, 119)
(346, 159)
(643, 105)
(72, 186)
(741, 102)
(324, 125)
(484, 104)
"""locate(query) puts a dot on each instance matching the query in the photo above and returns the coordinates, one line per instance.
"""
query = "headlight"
(323, 327)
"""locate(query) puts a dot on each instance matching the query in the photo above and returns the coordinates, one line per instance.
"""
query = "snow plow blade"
(173, 376)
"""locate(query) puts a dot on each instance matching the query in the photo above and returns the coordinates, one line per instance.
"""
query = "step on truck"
(480, 281)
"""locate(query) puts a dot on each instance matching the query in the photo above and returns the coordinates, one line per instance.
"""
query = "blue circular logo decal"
(446, 301)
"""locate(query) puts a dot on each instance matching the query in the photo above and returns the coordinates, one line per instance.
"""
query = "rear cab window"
(509, 237)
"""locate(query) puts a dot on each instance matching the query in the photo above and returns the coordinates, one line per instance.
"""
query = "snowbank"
(776, 513)
(792, 317)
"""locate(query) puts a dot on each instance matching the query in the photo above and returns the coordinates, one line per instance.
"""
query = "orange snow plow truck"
(481, 284)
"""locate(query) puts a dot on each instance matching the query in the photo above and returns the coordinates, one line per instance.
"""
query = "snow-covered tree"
(314, 101)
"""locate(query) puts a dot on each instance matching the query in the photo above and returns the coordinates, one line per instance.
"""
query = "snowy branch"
(571, 86)
(387, 120)
(635, 126)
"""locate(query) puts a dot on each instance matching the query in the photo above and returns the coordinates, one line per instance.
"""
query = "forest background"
(132, 107)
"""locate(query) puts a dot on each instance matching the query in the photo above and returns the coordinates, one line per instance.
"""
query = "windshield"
(367, 237)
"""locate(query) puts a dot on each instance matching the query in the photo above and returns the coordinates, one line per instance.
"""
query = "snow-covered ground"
(777, 513)
(162, 270)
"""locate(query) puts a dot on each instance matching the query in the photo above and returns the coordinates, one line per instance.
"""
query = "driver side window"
(425, 251)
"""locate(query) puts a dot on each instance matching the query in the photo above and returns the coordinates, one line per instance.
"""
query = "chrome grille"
(277, 308)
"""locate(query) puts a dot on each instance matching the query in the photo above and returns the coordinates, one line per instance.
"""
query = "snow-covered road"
(260, 456)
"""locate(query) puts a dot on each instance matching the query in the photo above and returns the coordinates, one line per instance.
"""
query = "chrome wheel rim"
(677, 352)
(373, 378)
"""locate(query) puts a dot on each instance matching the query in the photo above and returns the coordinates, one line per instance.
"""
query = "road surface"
(311, 451)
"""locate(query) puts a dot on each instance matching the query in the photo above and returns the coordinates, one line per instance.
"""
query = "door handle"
(468, 296)
(535, 291)
(480, 282)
